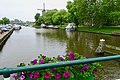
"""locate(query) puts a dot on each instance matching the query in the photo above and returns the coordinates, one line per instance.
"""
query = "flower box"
(84, 71)
(75, 78)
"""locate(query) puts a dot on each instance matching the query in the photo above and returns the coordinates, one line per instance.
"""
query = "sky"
(25, 10)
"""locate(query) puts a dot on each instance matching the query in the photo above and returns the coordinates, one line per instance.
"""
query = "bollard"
(7, 78)
(100, 48)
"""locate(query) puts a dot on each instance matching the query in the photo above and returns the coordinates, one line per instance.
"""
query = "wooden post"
(100, 48)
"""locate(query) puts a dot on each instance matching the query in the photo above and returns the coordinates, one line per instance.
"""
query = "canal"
(26, 44)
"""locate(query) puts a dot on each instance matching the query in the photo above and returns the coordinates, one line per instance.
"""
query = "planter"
(75, 78)
(81, 78)
(70, 72)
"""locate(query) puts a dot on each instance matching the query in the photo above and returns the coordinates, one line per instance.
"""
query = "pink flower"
(86, 57)
(36, 75)
(95, 70)
(14, 75)
(61, 58)
(53, 69)
(66, 74)
(47, 75)
(72, 57)
(43, 57)
(42, 62)
(34, 61)
(71, 54)
(86, 67)
(67, 55)
(23, 72)
(57, 76)
(30, 75)
(21, 77)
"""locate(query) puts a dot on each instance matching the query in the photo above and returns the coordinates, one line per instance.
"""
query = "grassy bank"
(106, 30)
(62, 26)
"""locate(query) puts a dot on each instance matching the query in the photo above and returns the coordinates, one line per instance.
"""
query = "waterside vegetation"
(94, 14)
(103, 30)
(98, 13)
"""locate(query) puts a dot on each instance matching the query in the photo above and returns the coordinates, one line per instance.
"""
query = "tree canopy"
(85, 12)
(37, 16)
(4, 21)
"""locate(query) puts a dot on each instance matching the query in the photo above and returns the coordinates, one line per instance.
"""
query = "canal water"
(26, 44)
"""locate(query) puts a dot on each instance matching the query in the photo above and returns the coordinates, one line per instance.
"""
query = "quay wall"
(4, 37)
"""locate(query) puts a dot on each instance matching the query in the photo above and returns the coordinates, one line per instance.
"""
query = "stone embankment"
(4, 36)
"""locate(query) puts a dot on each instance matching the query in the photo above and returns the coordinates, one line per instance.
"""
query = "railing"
(7, 71)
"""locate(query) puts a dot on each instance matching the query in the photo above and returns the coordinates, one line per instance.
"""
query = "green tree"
(37, 16)
(48, 16)
(72, 12)
(5, 20)
(115, 17)
(56, 18)
(89, 12)
(60, 17)
(42, 19)
(1, 21)
(38, 22)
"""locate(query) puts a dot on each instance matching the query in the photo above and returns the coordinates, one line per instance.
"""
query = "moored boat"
(17, 27)
(71, 27)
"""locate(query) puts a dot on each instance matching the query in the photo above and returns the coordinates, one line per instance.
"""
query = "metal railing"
(7, 71)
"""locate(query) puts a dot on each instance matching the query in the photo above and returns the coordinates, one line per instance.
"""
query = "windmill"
(43, 10)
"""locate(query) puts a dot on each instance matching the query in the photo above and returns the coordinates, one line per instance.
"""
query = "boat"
(43, 26)
(71, 27)
(16, 27)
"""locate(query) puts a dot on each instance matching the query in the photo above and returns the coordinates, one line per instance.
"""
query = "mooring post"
(7, 78)
(100, 48)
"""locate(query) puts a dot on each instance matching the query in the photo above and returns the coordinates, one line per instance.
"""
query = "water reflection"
(85, 44)
(82, 43)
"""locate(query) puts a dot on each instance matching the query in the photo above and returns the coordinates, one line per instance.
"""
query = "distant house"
(17, 22)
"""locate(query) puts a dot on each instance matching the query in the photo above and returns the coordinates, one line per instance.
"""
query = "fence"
(7, 71)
